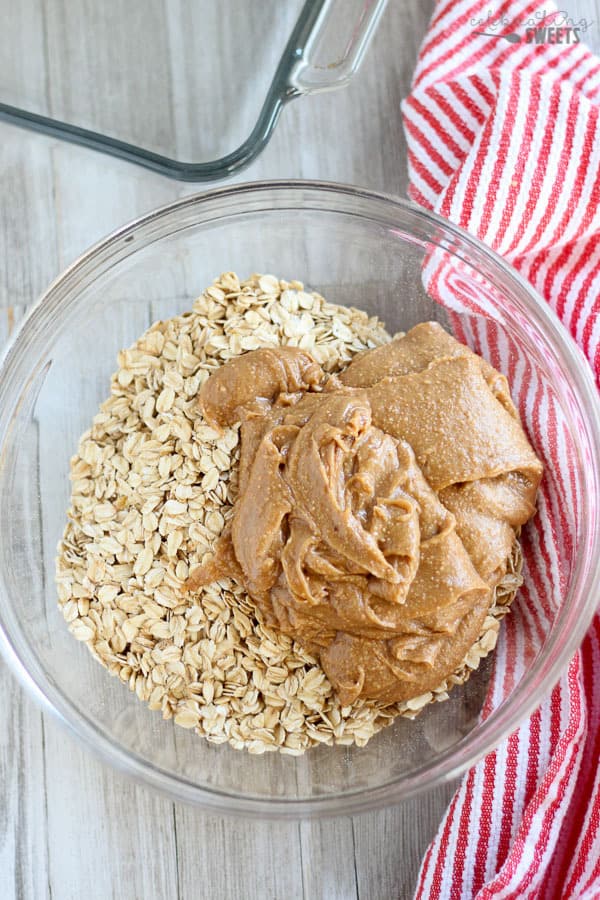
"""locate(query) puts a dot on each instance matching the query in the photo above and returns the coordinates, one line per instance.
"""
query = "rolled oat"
(152, 488)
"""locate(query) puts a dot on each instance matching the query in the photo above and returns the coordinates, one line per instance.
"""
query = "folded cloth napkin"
(503, 137)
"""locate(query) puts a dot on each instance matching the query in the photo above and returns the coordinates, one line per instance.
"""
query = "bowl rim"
(447, 766)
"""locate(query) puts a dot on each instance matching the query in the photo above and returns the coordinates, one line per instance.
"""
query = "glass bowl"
(357, 248)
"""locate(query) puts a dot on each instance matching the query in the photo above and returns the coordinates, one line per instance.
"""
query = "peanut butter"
(377, 509)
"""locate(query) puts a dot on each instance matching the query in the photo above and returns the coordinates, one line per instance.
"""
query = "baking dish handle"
(336, 45)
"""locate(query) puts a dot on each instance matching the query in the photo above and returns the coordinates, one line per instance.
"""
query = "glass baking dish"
(192, 90)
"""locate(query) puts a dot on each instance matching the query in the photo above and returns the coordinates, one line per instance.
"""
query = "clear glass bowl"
(357, 248)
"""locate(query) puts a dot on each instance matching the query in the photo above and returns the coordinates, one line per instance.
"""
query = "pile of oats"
(152, 487)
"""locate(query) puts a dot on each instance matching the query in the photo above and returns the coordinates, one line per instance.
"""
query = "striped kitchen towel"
(503, 132)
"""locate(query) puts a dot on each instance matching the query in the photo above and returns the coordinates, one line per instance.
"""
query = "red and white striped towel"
(504, 139)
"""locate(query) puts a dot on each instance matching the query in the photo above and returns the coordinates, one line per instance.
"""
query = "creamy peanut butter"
(377, 509)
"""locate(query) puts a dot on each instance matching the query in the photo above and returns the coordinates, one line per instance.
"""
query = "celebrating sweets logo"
(556, 27)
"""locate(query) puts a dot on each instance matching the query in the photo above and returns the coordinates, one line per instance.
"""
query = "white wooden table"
(69, 826)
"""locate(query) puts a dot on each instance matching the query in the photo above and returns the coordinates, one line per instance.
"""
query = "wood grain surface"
(70, 827)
